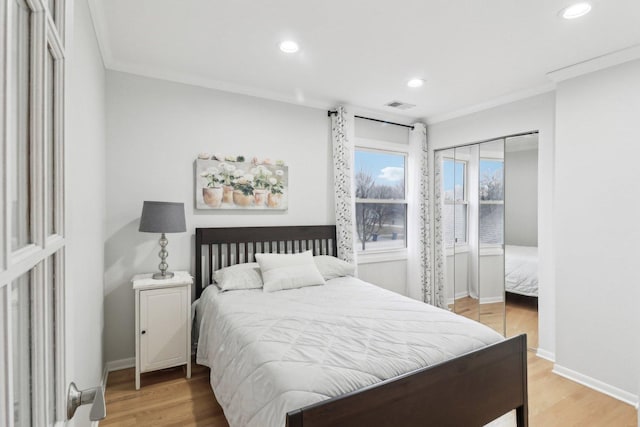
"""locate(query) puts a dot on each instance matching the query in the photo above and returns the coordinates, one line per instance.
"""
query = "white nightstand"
(163, 322)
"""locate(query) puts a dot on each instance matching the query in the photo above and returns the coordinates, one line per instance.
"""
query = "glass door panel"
(445, 229)
(491, 234)
(21, 332)
(465, 231)
(19, 137)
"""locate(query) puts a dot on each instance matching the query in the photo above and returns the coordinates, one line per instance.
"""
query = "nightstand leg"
(189, 369)
(137, 378)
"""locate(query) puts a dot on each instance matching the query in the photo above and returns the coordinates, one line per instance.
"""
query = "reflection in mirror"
(521, 236)
(444, 186)
(465, 231)
(491, 234)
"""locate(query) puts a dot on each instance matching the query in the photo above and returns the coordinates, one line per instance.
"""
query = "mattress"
(271, 353)
(521, 270)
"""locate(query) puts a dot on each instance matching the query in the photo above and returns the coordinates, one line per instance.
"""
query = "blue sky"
(387, 169)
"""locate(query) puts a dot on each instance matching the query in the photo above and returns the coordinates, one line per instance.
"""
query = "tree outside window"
(381, 207)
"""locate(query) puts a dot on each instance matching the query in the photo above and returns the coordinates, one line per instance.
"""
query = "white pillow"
(283, 271)
(239, 276)
(331, 267)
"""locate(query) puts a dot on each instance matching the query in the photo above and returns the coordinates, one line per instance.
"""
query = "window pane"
(19, 135)
(453, 180)
(491, 179)
(454, 221)
(49, 141)
(381, 226)
(21, 343)
(379, 175)
(492, 224)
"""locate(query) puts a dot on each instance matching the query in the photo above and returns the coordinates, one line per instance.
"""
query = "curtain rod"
(331, 113)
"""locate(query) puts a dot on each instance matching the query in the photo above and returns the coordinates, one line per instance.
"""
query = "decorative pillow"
(331, 267)
(239, 276)
(280, 271)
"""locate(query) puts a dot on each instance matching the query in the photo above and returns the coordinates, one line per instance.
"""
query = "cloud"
(391, 173)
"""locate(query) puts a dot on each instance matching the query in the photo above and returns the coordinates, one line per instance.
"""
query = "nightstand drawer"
(164, 320)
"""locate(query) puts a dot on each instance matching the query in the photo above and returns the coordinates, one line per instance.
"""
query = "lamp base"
(161, 276)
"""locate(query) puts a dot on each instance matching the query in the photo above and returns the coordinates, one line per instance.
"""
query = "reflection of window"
(491, 201)
(381, 203)
(454, 187)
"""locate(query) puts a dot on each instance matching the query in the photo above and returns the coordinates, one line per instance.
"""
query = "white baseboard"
(491, 300)
(547, 355)
(116, 365)
(596, 385)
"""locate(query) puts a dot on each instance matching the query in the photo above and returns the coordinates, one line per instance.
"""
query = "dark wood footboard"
(470, 390)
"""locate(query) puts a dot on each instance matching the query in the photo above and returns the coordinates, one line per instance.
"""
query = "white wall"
(521, 196)
(390, 275)
(155, 129)
(85, 196)
(596, 226)
(536, 113)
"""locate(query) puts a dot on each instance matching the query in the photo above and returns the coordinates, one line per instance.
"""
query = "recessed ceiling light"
(415, 82)
(576, 10)
(289, 46)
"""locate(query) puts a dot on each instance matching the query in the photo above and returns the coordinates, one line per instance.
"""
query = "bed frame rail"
(470, 390)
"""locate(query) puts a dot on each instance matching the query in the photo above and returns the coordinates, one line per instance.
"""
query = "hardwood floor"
(167, 398)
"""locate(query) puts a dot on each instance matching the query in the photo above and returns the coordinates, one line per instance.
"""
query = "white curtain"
(343, 134)
(420, 280)
(439, 258)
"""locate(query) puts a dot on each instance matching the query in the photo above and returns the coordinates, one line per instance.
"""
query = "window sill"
(382, 256)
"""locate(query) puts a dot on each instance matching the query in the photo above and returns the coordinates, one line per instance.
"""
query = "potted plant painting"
(243, 191)
(261, 184)
(212, 194)
(231, 182)
(275, 189)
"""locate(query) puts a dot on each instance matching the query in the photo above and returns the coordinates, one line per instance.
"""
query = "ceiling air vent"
(399, 105)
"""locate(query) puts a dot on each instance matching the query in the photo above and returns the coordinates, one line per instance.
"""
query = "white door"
(33, 382)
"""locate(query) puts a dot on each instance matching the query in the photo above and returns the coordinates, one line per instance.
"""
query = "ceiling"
(470, 52)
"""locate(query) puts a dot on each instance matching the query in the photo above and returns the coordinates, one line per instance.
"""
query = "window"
(456, 206)
(381, 201)
(491, 201)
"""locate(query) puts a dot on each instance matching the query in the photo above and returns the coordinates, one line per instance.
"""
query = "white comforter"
(521, 270)
(271, 353)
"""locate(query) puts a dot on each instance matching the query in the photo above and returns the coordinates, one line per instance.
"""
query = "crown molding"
(596, 64)
(495, 102)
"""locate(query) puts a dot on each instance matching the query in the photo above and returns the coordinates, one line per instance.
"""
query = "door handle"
(76, 398)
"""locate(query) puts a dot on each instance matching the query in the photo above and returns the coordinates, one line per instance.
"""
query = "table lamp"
(163, 217)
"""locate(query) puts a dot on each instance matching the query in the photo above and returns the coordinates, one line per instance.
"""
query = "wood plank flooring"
(167, 398)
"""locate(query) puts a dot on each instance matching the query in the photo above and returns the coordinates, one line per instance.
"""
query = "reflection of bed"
(346, 353)
(521, 270)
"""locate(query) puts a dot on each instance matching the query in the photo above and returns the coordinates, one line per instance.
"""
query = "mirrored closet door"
(470, 225)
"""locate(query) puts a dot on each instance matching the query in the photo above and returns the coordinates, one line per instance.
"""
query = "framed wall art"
(235, 182)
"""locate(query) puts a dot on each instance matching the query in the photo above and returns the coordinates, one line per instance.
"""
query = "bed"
(322, 356)
(521, 270)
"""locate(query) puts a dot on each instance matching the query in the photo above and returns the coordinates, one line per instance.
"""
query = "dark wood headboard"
(221, 247)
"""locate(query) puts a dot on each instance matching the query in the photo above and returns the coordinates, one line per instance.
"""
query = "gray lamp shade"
(162, 217)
